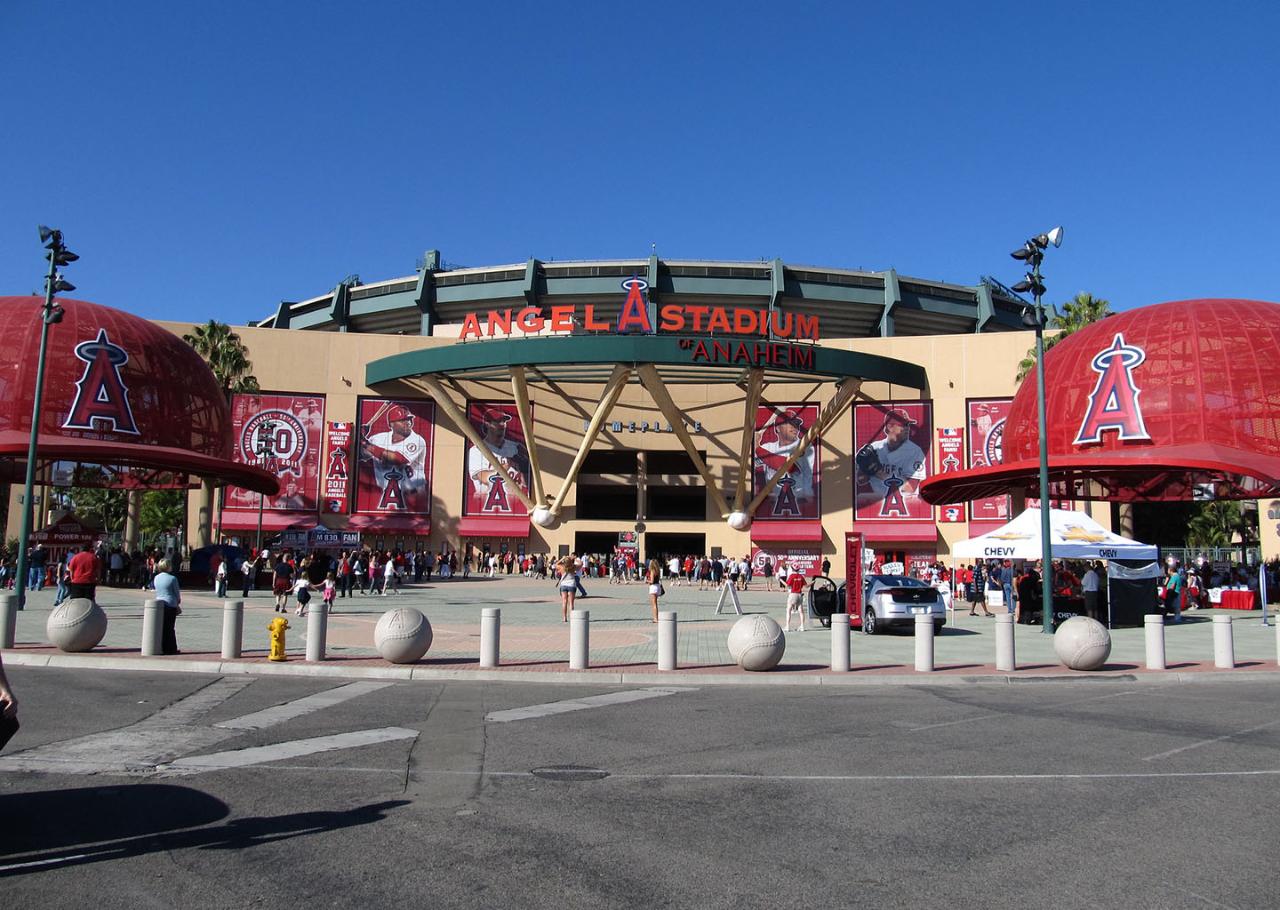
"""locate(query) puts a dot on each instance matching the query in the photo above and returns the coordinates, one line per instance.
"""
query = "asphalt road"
(195, 791)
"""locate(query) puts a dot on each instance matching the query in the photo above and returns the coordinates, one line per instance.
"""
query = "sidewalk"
(535, 643)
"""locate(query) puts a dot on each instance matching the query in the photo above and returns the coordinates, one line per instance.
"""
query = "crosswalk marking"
(271, 716)
(240, 758)
(579, 704)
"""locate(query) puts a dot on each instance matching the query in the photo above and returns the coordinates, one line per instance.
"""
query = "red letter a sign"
(101, 396)
(635, 311)
(1113, 403)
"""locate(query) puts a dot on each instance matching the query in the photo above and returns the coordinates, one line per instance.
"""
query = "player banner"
(337, 469)
(778, 430)
(395, 455)
(486, 486)
(893, 445)
(986, 447)
(281, 434)
(950, 458)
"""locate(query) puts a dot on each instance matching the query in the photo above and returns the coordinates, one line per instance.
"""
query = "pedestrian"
(8, 705)
(654, 577)
(249, 571)
(282, 582)
(826, 566)
(358, 572)
(796, 583)
(1091, 585)
(568, 586)
(61, 594)
(390, 577)
(302, 589)
(170, 596)
(82, 574)
(330, 591)
(220, 580)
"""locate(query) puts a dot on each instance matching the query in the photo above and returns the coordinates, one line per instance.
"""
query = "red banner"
(806, 560)
(986, 447)
(337, 469)
(950, 458)
(395, 439)
(778, 431)
(486, 486)
(281, 434)
(892, 442)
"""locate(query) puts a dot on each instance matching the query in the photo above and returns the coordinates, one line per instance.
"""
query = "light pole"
(1032, 253)
(50, 313)
(265, 448)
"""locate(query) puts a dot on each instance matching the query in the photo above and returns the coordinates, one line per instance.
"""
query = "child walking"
(302, 589)
(330, 591)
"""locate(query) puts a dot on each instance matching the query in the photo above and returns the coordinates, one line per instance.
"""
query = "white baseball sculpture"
(739, 521)
(756, 642)
(543, 517)
(1082, 643)
(402, 636)
(78, 624)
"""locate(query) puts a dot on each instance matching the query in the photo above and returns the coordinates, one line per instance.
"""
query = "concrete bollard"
(1154, 624)
(1006, 658)
(490, 636)
(579, 639)
(924, 643)
(152, 628)
(840, 642)
(666, 641)
(8, 620)
(1224, 651)
(232, 628)
(1278, 639)
(317, 629)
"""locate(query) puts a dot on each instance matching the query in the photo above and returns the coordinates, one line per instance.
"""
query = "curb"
(409, 673)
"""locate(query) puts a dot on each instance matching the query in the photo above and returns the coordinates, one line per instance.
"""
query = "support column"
(132, 512)
(204, 514)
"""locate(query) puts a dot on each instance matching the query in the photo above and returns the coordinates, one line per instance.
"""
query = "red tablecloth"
(1239, 600)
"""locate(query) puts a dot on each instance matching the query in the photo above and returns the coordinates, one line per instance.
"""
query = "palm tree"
(1082, 310)
(227, 356)
(161, 511)
(1216, 525)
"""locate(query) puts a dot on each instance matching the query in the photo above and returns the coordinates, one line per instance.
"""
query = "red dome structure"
(119, 392)
(1148, 405)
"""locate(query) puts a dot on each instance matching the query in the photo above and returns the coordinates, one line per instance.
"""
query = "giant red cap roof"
(1148, 404)
(118, 390)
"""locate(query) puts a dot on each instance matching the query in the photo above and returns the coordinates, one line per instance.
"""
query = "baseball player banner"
(281, 434)
(395, 455)
(486, 488)
(893, 442)
(778, 429)
(986, 447)
(337, 468)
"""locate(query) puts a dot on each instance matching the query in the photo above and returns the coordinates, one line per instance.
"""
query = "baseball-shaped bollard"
(78, 624)
(402, 636)
(756, 642)
(1082, 643)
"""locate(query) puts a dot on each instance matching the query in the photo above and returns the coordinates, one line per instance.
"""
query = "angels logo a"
(635, 309)
(893, 505)
(102, 399)
(1113, 403)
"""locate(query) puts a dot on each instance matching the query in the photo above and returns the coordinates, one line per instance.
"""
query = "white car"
(896, 600)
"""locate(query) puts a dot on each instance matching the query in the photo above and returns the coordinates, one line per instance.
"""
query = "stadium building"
(681, 407)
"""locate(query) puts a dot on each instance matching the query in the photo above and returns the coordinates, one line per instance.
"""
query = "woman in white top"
(389, 577)
(654, 577)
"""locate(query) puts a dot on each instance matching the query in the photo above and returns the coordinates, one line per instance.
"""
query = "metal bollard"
(1224, 651)
(8, 620)
(232, 628)
(317, 629)
(1006, 658)
(152, 628)
(667, 641)
(840, 642)
(1154, 624)
(924, 643)
(490, 636)
(579, 639)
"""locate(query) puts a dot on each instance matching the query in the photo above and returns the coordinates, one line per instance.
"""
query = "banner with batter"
(986, 447)
(281, 434)
(395, 438)
(778, 431)
(486, 488)
(894, 445)
(337, 468)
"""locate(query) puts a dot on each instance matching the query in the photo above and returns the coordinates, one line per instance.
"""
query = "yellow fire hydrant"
(276, 627)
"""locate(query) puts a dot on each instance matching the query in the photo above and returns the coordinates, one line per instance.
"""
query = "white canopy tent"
(1073, 535)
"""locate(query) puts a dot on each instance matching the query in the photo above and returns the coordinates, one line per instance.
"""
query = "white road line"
(883, 778)
(46, 862)
(1210, 742)
(579, 704)
(239, 758)
(271, 716)
(199, 703)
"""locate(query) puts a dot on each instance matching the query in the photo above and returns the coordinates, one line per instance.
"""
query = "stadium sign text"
(750, 353)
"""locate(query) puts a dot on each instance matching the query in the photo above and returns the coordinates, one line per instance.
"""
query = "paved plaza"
(623, 640)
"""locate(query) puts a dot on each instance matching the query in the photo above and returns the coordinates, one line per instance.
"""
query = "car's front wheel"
(869, 625)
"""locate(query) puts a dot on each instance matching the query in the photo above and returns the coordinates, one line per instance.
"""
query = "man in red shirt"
(82, 574)
(796, 583)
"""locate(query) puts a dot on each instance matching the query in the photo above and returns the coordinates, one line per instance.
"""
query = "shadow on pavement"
(55, 828)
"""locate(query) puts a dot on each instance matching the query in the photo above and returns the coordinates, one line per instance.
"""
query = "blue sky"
(209, 160)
